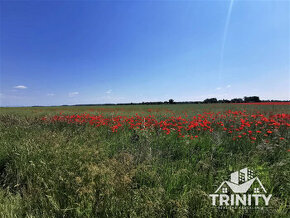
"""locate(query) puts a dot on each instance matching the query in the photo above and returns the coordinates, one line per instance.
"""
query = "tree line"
(246, 99)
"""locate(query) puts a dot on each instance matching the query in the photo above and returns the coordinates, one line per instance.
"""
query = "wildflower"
(205, 122)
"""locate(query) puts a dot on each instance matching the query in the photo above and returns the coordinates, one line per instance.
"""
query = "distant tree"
(223, 101)
(251, 99)
(210, 100)
(237, 100)
(171, 101)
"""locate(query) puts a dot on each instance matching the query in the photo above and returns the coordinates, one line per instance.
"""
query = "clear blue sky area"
(74, 52)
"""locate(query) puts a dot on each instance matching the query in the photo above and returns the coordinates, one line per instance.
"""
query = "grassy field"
(50, 167)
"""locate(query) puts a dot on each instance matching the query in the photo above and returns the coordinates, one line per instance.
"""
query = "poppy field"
(140, 160)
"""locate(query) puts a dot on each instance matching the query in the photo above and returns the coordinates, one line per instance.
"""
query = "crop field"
(140, 160)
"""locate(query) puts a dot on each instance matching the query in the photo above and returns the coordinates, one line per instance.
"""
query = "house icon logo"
(243, 188)
(241, 181)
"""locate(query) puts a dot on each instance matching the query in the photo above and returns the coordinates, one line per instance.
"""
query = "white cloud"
(20, 87)
(109, 91)
(229, 86)
(73, 94)
(111, 99)
(218, 88)
(50, 94)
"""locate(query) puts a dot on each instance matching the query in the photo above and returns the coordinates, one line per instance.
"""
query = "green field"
(58, 169)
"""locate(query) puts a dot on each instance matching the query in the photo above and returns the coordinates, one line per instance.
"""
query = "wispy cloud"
(229, 14)
(50, 94)
(224, 87)
(109, 91)
(20, 87)
(73, 94)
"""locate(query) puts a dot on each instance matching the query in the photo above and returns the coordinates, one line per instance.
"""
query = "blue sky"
(70, 52)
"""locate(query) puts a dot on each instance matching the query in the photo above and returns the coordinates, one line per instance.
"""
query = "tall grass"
(64, 170)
